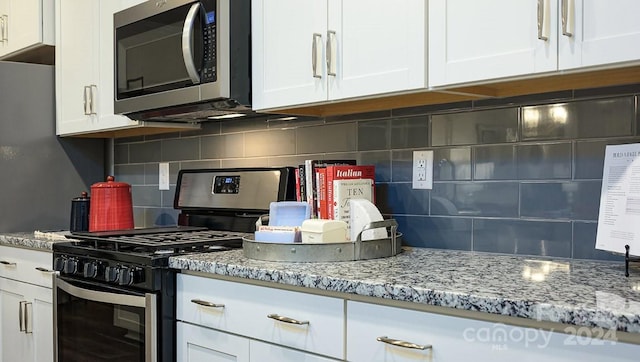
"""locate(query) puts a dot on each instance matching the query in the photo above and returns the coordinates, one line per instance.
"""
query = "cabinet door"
(4, 15)
(41, 323)
(26, 332)
(199, 344)
(461, 339)
(377, 47)
(286, 34)
(478, 40)
(15, 345)
(599, 32)
(77, 62)
(261, 351)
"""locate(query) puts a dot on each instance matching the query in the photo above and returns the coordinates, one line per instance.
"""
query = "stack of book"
(328, 185)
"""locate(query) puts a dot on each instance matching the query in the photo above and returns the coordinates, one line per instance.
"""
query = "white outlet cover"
(422, 170)
(163, 176)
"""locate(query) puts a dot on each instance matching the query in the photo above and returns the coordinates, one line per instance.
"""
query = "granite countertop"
(30, 241)
(582, 293)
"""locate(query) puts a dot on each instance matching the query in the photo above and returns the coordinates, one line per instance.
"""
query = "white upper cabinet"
(315, 51)
(25, 24)
(477, 40)
(84, 71)
(77, 72)
(472, 41)
(597, 32)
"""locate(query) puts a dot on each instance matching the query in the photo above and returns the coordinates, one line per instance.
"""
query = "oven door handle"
(187, 42)
(102, 297)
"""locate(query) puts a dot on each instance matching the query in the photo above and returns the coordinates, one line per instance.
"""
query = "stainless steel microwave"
(183, 59)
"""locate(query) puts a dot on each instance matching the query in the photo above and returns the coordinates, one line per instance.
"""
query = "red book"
(323, 208)
(348, 172)
(297, 177)
(311, 187)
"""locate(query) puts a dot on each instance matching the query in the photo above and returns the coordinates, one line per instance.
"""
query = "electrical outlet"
(422, 169)
(163, 176)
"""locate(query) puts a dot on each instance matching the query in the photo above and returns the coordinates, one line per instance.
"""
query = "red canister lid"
(110, 183)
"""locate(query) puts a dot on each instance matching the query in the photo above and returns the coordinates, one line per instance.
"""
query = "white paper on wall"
(619, 216)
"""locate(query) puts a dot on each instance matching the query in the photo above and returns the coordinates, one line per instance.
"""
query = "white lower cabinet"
(300, 324)
(199, 344)
(447, 338)
(228, 321)
(26, 309)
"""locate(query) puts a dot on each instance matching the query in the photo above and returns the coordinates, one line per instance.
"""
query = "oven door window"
(150, 56)
(92, 327)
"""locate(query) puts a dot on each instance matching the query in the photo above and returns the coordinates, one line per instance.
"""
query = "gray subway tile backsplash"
(451, 164)
(374, 135)
(496, 162)
(181, 149)
(435, 232)
(411, 132)
(497, 199)
(524, 179)
(476, 127)
(145, 152)
(544, 161)
(608, 117)
(222, 146)
(269, 143)
(578, 200)
(543, 238)
(340, 137)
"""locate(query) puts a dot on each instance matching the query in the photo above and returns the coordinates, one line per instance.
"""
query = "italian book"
(345, 190)
(311, 184)
(346, 172)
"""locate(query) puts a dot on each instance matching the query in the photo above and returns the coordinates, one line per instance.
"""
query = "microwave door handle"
(187, 41)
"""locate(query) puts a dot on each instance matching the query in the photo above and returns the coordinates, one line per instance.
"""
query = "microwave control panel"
(209, 73)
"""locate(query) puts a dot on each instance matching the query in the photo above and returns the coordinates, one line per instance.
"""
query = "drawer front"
(25, 265)
(461, 339)
(245, 309)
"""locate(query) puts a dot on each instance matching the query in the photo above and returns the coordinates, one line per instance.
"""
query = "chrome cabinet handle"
(44, 270)
(2, 29)
(331, 53)
(280, 318)
(26, 318)
(403, 344)
(204, 303)
(568, 16)
(187, 41)
(5, 28)
(8, 263)
(543, 25)
(21, 315)
(93, 99)
(86, 94)
(315, 55)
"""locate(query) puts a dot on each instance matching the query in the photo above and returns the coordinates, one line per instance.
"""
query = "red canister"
(111, 207)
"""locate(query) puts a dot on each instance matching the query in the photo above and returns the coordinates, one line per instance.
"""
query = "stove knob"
(70, 266)
(126, 276)
(111, 273)
(58, 263)
(92, 269)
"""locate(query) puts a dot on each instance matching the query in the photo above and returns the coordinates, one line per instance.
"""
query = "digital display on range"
(211, 17)
(226, 185)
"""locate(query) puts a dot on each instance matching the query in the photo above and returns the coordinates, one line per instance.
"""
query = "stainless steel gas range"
(115, 295)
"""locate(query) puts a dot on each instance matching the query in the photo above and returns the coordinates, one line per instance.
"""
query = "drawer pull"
(204, 303)
(403, 344)
(44, 270)
(7, 263)
(286, 319)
